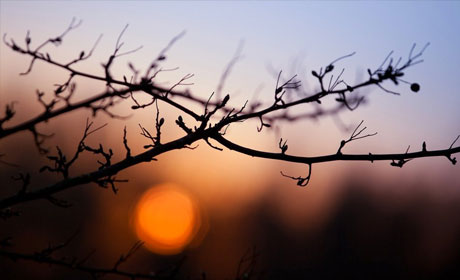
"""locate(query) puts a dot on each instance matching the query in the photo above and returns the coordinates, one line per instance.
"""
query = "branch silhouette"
(45, 256)
(210, 124)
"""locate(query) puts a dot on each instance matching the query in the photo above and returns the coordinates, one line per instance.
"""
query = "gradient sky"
(274, 33)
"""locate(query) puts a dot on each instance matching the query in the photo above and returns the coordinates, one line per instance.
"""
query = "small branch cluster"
(62, 164)
(356, 135)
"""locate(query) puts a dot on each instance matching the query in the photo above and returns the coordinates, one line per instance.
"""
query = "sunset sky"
(295, 37)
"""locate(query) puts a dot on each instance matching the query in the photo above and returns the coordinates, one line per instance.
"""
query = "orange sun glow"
(166, 219)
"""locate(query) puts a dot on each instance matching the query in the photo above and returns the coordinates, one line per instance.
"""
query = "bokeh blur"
(365, 220)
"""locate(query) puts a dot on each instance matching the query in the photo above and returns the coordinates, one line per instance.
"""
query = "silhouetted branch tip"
(301, 181)
(355, 135)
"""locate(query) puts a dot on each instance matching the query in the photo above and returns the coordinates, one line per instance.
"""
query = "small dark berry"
(415, 87)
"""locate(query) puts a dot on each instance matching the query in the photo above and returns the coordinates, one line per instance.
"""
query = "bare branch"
(355, 135)
(78, 265)
(125, 143)
(208, 126)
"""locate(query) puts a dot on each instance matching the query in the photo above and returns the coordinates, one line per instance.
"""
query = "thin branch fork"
(355, 135)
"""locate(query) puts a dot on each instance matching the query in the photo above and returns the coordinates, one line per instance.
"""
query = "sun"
(166, 219)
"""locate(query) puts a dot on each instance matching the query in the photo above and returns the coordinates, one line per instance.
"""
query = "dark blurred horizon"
(366, 235)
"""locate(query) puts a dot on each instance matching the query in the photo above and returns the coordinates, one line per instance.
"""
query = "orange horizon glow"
(166, 219)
